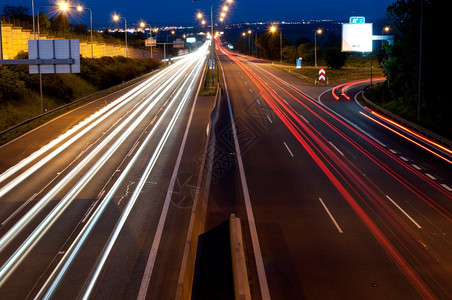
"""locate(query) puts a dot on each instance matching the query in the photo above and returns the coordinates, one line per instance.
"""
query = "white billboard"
(48, 50)
(357, 37)
(151, 42)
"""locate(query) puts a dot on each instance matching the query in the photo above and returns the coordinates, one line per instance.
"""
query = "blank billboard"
(357, 37)
(53, 50)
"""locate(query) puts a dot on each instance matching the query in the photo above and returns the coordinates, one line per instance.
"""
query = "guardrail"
(409, 124)
(197, 227)
(74, 103)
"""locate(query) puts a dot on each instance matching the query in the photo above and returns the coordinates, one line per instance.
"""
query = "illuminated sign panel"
(357, 20)
(357, 37)
(191, 40)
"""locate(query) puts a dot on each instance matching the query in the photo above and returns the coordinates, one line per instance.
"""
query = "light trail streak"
(53, 281)
(408, 139)
(44, 226)
(372, 141)
(431, 202)
(93, 121)
(291, 119)
(420, 136)
(107, 250)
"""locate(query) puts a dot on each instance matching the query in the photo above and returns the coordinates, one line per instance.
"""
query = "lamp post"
(274, 29)
(249, 41)
(318, 31)
(143, 25)
(211, 29)
(80, 9)
(116, 19)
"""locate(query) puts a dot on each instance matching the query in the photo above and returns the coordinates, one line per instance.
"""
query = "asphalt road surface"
(339, 202)
(85, 198)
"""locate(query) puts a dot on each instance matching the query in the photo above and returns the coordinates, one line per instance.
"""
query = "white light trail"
(93, 120)
(73, 250)
(28, 244)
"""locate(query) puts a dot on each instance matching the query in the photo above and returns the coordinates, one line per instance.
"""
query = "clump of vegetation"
(413, 66)
(109, 71)
(20, 91)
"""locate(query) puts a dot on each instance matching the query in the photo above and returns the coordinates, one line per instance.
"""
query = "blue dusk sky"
(182, 12)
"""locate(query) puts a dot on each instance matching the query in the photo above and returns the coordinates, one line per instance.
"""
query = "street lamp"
(273, 29)
(143, 25)
(249, 41)
(116, 19)
(80, 9)
(318, 31)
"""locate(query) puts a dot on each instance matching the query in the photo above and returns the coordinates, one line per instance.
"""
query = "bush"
(335, 58)
(12, 87)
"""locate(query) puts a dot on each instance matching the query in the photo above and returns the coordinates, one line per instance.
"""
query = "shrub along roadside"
(19, 91)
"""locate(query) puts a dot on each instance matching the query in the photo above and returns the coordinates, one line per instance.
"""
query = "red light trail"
(339, 170)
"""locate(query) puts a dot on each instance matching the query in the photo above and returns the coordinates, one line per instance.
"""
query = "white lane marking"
(404, 212)
(288, 149)
(336, 148)
(430, 176)
(416, 167)
(446, 187)
(331, 216)
(159, 232)
(53, 280)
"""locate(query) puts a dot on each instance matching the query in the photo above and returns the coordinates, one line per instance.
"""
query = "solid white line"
(263, 284)
(69, 256)
(159, 232)
(331, 216)
(404, 212)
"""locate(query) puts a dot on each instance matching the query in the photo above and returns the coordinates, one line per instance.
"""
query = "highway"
(85, 198)
(336, 200)
(339, 202)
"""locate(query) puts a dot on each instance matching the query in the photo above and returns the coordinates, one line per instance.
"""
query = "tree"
(306, 51)
(335, 58)
(401, 61)
(81, 28)
(61, 23)
(17, 12)
(44, 22)
(290, 54)
(12, 87)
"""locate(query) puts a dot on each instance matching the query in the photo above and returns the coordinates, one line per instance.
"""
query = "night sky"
(182, 12)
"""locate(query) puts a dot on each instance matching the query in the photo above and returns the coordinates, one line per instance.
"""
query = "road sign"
(150, 42)
(50, 53)
(357, 37)
(211, 64)
(322, 75)
(178, 43)
(357, 20)
(299, 63)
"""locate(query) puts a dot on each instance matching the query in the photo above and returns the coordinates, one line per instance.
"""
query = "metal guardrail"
(409, 124)
(73, 103)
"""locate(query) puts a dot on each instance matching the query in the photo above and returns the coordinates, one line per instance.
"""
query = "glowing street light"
(116, 19)
(64, 6)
